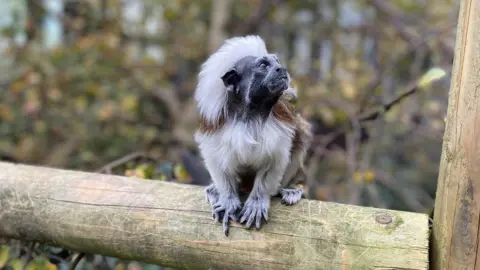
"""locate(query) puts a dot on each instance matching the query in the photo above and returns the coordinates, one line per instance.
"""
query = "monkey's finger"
(258, 219)
(218, 213)
(218, 208)
(233, 217)
(225, 224)
(216, 216)
(265, 214)
(242, 211)
(250, 220)
(246, 214)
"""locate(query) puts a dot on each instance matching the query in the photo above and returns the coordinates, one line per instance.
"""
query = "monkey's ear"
(231, 78)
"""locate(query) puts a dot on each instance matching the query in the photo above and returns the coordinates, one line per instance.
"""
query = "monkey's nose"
(282, 71)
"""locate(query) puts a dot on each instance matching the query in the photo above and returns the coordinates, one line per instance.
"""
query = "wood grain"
(171, 225)
(457, 205)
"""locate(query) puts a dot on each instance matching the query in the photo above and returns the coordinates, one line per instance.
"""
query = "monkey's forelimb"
(266, 184)
(223, 197)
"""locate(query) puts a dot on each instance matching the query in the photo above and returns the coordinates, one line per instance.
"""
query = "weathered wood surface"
(457, 204)
(171, 224)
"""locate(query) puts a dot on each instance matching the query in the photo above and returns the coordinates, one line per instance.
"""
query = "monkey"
(249, 135)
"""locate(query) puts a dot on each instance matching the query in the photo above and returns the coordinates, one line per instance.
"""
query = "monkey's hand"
(291, 196)
(255, 209)
(211, 194)
(225, 209)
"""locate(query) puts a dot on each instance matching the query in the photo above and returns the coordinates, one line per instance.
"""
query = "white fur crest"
(211, 93)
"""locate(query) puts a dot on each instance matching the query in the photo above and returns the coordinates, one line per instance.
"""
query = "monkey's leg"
(223, 197)
(292, 190)
(258, 202)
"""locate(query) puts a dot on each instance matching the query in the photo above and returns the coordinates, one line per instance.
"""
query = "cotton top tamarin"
(249, 134)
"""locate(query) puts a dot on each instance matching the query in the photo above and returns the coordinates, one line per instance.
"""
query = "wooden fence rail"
(456, 230)
(171, 225)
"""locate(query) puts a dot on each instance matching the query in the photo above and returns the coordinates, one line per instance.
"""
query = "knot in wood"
(383, 218)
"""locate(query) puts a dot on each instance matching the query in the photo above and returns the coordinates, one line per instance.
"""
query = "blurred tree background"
(107, 86)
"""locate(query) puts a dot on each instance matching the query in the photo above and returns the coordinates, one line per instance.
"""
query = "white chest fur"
(252, 144)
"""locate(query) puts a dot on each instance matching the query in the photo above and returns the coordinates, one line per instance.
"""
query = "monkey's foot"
(211, 194)
(226, 209)
(291, 196)
(254, 210)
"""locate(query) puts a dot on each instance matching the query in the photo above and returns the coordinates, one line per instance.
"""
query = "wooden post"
(457, 204)
(171, 225)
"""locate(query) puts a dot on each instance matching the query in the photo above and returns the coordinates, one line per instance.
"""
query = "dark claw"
(225, 224)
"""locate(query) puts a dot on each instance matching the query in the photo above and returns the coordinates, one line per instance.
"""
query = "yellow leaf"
(392, 114)
(5, 113)
(139, 173)
(129, 173)
(340, 116)
(18, 86)
(353, 63)
(87, 156)
(4, 254)
(120, 266)
(25, 147)
(432, 75)
(369, 176)
(181, 173)
(50, 266)
(93, 89)
(129, 103)
(349, 91)
(16, 264)
(149, 133)
(31, 266)
(357, 177)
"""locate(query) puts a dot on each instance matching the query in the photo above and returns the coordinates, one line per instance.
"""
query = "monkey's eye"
(264, 63)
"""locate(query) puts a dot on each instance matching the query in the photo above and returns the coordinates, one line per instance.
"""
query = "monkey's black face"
(257, 82)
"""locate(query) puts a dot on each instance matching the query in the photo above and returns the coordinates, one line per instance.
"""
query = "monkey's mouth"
(278, 85)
